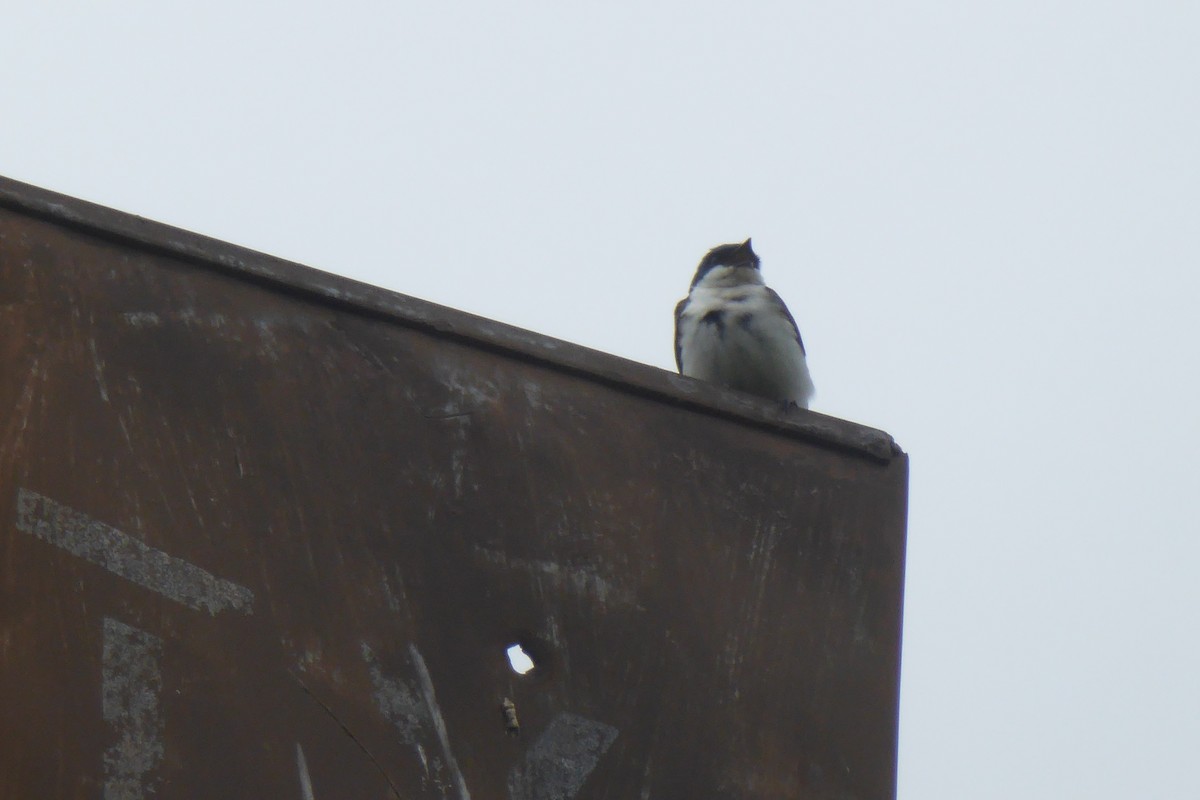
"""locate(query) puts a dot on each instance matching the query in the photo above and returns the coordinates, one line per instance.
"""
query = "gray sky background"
(984, 215)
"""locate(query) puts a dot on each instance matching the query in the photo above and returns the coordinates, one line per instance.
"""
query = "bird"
(735, 331)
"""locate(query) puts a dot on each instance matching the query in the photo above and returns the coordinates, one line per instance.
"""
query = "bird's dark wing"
(678, 338)
(778, 301)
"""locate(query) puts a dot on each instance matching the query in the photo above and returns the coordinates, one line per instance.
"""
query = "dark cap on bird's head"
(727, 255)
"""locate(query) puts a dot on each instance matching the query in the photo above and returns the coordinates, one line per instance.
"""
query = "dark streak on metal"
(345, 729)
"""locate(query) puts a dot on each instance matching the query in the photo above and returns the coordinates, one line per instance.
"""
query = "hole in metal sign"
(519, 660)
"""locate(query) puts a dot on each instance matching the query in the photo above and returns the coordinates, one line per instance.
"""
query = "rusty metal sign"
(271, 533)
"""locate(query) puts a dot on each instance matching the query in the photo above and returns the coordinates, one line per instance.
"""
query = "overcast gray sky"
(984, 215)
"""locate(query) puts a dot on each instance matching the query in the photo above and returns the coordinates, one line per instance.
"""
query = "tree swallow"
(732, 329)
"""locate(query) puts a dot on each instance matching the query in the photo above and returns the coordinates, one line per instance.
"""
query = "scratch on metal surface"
(760, 559)
(439, 724)
(306, 792)
(131, 684)
(448, 415)
(562, 758)
(127, 557)
(379, 767)
(18, 420)
(98, 365)
(398, 702)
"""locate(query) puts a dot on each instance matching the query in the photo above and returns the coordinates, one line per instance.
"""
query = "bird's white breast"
(739, 336)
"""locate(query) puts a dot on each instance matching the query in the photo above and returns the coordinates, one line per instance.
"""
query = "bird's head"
(728, 264)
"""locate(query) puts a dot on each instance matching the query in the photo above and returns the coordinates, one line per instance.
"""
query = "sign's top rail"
(359, 298)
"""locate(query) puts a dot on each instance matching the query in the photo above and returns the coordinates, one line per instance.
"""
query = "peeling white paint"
(424, 759)
(131, 684)
(399, 703)
(439, 724)
(306, 791)
(562, 758)
(142, 319)
(127, 557)
(467, 390)
(393, 600)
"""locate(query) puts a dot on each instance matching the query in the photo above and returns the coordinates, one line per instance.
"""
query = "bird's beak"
(746, 247)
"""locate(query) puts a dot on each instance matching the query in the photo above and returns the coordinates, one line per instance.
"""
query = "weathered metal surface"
(270, 532)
